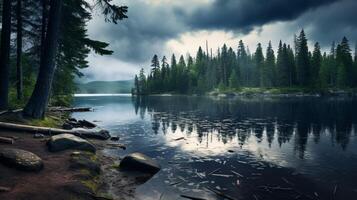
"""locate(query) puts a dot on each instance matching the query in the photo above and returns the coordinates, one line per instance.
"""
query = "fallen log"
(63, 109)
(95, 133)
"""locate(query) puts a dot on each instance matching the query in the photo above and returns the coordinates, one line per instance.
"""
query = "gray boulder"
(68, 141)
(20, 159)
(139, 162)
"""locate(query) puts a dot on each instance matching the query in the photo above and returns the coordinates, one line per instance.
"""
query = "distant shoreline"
(101, 95)
(258, 92)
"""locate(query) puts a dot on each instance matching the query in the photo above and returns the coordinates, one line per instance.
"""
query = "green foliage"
(293, 69)
(302, 60)
(233, 80)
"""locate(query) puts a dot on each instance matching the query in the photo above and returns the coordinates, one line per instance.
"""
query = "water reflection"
(227, 121)
(307, 144)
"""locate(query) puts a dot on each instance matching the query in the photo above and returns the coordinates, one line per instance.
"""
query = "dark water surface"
(302, 148)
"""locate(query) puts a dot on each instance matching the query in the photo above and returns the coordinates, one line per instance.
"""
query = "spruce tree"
(260, 76)
(316, 64)
(302, 60)
(345, 64)
(233, 80)
(242, 60)
(269, 67)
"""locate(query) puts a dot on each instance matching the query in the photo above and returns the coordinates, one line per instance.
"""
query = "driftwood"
(6, 140)
(221, 194)
(81, 132)
(64, 109)
(191, 197)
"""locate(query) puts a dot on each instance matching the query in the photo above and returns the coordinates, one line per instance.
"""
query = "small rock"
(4, 189)
(230, 151)
(39, 136)
(114, 138)
(67, 141)
(87, 124)
(67, 126)
(72, 119)
(139, 162)
(20, 159)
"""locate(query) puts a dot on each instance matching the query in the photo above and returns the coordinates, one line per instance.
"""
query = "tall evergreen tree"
(269, 67)
(302, 60)
(37, 104)
(242, 60)
(259, 67)
(316, 64)
(344, 60)
(5, 53)
(233, 80)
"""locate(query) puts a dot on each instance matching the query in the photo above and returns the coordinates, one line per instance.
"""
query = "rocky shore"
(44, 165)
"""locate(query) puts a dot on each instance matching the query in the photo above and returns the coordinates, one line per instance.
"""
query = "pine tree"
(345, 64)
(324, 72)
(291, 66)
(316, 64)
(233, 80)
(261, 77)
(155, 64)
(269, 72)
(302, 60)
(136, 85)
(173, 75)
(142, 82)
(280, 66)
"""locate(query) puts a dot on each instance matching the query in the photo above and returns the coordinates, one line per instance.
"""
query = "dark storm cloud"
(332, 23)
(150, 25)
(144, 33)
(244, 15)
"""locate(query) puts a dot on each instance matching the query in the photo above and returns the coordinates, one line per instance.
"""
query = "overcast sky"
(164, 27)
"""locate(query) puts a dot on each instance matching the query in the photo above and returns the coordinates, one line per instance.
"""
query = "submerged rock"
(114, 138)
(139, 162)
(67, 141)
(87, 124)
(20, 159)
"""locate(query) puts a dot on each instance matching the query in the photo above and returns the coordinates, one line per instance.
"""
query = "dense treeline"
(229, 69)
(44, 44)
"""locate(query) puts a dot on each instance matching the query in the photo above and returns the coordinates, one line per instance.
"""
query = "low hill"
(105, 87)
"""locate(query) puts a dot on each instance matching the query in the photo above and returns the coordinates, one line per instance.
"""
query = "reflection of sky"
(323, 158)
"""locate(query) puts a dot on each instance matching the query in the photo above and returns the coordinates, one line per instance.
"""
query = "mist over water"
(271, 148)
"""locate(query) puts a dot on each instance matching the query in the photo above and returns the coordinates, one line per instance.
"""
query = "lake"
(238, 148)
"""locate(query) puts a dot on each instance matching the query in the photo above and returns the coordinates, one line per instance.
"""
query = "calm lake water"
(290, 148)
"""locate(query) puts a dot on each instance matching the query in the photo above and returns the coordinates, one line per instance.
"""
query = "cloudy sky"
(164, 27)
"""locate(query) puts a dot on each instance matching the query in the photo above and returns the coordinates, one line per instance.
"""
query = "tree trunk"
(44, 24)
(19, 77)
(5, 53)
(36, 107)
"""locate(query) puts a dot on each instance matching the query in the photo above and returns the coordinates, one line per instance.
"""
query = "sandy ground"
(57, 181)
